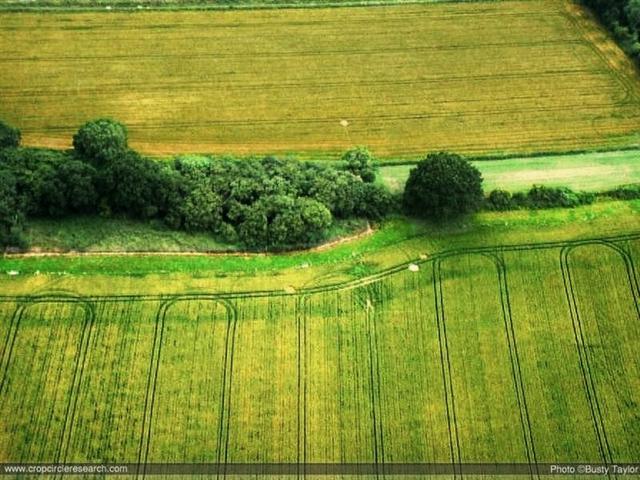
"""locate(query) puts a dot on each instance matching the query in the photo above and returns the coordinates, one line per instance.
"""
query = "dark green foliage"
(443, 185)
(538, 197)
(625, 192)
(549, 197)
(282, 220)
(374, 202)
(622, 18)
(519, 200)
(11, 213)
(337, 191)
(101, 141)
(41, 188)
(274, 202)
(360, 162)
(499, 200)
(9, 136)
(262, 202)
(196, 206)
(79, 190)
(132, 185)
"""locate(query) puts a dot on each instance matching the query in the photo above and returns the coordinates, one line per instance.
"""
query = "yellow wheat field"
(486, 77)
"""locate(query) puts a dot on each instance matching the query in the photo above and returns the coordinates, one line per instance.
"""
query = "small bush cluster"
(625, 192)
(260, 202)
(538, 197)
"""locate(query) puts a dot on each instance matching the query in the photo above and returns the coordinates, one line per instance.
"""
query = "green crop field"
(522, 353)
(484, 77)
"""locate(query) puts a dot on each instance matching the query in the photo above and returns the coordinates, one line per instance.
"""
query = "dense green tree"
(40, 189)
(373, 201)
(338, 191)
(130, 184)
(316, 218)
(254, 229)
(101, 141)
(443, 185)
(11, 214)
(632, 10)
(300, 222)
(9, 136)
(78, 181)
(360, 162)
(201, 208)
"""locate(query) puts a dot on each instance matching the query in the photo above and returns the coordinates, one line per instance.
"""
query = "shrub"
(519, 200)
(101, 141)
(40, 188)
(9, 136)
(549, 197)
(625, 192)
(201, 209)
(499, 200)
(443, 185)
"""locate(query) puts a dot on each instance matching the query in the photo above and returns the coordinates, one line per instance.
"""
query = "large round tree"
(101, 141)
(443, 185)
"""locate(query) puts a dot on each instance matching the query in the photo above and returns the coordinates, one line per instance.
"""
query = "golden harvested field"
(476, 78)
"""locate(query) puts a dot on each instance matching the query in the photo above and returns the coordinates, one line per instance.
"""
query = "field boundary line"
(227, 377)
(79, 361)
(345, 285)
(78, 375)
(579, 333)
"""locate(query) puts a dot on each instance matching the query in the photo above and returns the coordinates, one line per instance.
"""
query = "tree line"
(256, 202)
(259, 202)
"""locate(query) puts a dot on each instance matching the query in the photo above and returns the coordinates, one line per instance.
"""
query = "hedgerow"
(262, 202)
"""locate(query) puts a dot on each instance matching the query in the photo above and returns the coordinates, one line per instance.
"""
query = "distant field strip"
(476, 78)
(198, 4)
(518, 354)
(596, 172)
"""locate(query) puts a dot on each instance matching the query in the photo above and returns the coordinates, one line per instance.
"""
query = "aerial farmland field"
(475, 78)
(516, 354)
(219, 254)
